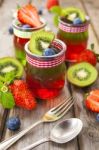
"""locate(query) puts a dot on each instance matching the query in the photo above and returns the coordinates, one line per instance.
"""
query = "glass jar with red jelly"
(22, 34)
(45, 75)
(75, 37)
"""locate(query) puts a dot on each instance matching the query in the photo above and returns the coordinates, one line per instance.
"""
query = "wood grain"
(89, 137)
(92, 9)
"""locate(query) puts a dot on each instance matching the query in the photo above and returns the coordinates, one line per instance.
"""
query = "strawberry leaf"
(7, 100)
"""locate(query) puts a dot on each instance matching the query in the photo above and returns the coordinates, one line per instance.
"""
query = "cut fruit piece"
(40, 41)
(92, 100)
(28, 14)
(9, 64)
(70, 13)
(82, 74)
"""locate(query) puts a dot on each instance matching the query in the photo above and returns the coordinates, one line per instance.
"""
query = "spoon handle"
(7, 143)
(37, 143)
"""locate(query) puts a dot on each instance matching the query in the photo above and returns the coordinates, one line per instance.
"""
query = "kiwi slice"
(40, 41)
(82, 74)
(9, 64)
(73, 12)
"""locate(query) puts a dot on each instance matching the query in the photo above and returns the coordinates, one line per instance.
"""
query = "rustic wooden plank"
(92, 9)
(3, 113)
(29, 117)
(89, 137)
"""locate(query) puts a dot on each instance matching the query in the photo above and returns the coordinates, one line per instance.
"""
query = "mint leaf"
(56, 10)
(1, 84)
(9, 77)
(7, 100)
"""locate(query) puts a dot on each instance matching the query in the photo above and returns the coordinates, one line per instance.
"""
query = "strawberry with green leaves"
(22, 95)
(28, 14)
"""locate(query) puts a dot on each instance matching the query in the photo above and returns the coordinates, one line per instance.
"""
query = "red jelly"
(45, 75)
(75, 37)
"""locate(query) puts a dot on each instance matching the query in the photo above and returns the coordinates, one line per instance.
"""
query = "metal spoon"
(61, 133)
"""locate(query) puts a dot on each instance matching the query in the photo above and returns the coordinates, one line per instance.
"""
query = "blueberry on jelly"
(26, 26)
(49, 52)
(77, 21)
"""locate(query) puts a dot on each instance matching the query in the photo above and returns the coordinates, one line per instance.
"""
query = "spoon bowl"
(66, 130)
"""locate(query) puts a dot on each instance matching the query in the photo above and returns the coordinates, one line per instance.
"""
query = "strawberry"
(87, 56)
(51, 3)
(22, 95)
(92, 101)
(28, 14)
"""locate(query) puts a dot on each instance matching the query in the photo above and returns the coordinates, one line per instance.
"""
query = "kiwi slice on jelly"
(72, 12)
(82, 74)
(39, 41)
(10, 64)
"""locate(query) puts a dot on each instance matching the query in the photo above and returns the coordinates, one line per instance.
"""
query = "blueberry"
(11, 30)
(26, 26)
(97, 117)
(40, 12)
(49, 52)
(13, 123)
(77, 21)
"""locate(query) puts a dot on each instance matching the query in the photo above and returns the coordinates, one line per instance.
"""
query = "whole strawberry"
(87, 56)
(51, 3)
(22, 95)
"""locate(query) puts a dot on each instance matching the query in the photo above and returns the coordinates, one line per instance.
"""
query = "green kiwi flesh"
(39, 41)
(82, 74)
(10, 64)
(74, 12)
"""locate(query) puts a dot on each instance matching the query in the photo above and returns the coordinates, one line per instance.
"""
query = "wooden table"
(89, 137)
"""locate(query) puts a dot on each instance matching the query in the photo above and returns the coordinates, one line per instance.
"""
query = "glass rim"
(31, 28)
(71, 25)
(44, 57)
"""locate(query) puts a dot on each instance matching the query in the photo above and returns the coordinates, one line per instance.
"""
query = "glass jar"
(45, 75)
(75, 37)
(21, 37)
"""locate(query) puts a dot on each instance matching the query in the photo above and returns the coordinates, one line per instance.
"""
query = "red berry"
(28, 14)
(92, 101)
(22, 95)
(51, 3)
(87, 56)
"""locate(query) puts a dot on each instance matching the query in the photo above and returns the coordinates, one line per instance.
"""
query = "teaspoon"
(63, 132)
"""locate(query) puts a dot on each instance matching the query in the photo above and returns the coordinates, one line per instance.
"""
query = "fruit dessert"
(73, 30)
(45, 73)
(27, 21)
(82, 74)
